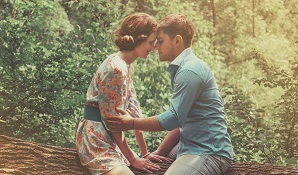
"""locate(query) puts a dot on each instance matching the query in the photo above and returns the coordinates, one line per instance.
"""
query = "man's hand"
(122, 122)
(155, 157)
(145, 165)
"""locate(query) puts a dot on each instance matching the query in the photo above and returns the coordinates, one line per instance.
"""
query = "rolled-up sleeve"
(187, 85)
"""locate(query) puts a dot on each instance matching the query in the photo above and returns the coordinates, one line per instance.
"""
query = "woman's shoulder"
(113, 62)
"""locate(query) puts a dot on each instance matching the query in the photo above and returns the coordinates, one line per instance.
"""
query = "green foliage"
(247, 127)
(46, 65)
(285, 121)
(28, 72)
(152, 83)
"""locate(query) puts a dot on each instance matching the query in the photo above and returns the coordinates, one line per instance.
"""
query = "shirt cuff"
(168, 120)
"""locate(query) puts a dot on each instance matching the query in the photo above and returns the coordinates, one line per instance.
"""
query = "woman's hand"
(144, 164)
(155, 157)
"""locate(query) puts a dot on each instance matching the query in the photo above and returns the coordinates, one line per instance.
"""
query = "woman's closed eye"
(152, 43)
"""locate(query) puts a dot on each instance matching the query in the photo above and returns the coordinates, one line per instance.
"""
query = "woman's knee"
(120, 170)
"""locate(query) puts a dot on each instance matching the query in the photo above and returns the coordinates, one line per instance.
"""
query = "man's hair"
(134, 30)
(173, 25)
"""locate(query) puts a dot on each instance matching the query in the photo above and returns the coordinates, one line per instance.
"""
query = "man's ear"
(178, 39)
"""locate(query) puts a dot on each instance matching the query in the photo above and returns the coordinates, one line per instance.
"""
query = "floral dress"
(111, 87)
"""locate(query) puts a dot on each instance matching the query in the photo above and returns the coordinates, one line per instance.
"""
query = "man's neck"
(178, 53)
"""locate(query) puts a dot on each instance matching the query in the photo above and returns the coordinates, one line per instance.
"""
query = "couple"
(198, 130)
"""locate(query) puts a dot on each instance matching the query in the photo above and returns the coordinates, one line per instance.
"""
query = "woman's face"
(146, 47)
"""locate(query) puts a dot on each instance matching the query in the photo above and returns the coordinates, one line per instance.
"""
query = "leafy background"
(49, 50)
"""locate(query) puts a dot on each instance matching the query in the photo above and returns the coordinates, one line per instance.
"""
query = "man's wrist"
(133, 124)
(159, 152)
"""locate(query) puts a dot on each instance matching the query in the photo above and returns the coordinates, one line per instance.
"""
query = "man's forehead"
(161, 34)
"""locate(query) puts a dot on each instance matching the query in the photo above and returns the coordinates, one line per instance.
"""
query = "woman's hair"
(178, 25)
(134, 30)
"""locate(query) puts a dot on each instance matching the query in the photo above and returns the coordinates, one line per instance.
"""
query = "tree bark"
(213, 12)
(253, 18)
(22, 157)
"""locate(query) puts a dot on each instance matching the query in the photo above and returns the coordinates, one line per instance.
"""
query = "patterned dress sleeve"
(133, 107)
(112, 91)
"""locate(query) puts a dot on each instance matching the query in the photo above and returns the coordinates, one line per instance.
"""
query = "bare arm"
(126, 122)
(120, 140)
(141, 141)
(148, 124)
(171, 139)
(135, 111)
(133, 159)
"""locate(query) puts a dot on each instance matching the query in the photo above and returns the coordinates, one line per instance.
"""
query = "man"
(196, 117)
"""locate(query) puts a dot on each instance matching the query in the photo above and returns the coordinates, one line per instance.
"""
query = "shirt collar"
(180, 58)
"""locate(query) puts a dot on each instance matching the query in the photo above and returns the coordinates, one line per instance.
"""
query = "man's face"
(165, 47)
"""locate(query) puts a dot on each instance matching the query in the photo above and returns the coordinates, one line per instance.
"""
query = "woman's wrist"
(145, 155)
(132, 158)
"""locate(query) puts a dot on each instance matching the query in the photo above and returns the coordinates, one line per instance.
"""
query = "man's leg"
(199, 165)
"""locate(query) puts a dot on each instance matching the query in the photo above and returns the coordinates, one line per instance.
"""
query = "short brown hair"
(177, 24)
(134, 30)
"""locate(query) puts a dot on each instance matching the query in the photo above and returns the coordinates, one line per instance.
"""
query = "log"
(23, 157)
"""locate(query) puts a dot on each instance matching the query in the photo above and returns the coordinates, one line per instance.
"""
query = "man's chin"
(161, 59)
(144, 57)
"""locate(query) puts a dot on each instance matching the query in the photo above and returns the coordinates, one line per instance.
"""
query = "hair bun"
(134, 30)
(128, 38)
(141, 37)
(125, 42)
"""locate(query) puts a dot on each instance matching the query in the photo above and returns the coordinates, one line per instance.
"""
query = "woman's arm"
(135, 111)
(112, 95)
(141, 141)
(134, 160)
(120, 140)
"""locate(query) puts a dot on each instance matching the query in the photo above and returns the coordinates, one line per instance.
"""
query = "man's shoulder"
(193, 63)
(196, 66)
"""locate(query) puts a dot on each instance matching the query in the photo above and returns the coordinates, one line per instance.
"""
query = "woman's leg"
(120, 170)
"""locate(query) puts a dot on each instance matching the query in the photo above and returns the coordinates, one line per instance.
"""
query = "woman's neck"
(127, 56)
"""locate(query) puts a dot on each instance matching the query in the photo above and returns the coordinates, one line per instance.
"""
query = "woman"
(112, 87)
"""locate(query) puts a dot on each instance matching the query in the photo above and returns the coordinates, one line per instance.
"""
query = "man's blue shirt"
(196, 108)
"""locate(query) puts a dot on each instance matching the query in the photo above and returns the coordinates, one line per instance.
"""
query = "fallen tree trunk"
(22, 157)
